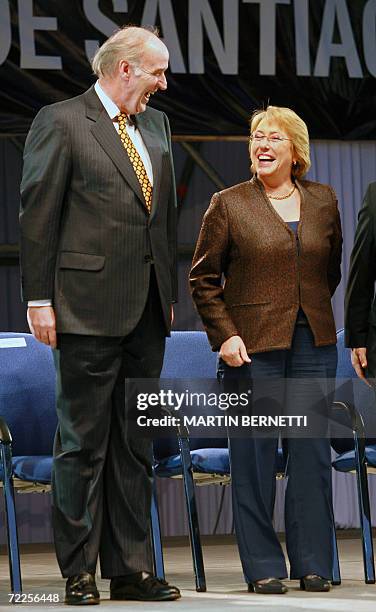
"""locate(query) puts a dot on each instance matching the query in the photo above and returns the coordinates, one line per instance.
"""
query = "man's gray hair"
(127, 43)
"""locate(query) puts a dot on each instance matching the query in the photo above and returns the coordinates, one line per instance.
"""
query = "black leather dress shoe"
(81, 590)
(143, 587)
(314, 583)
(272, 587)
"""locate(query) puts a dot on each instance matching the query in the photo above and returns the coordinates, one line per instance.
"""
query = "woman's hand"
(233, 352)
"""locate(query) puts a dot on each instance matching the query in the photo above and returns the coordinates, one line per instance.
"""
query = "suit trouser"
(308, 502)
(101, 475)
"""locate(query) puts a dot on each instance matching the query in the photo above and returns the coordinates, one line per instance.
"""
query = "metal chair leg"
(156, 539)
(336, 572)
(364, 511)
(12, 535)
(194, 531)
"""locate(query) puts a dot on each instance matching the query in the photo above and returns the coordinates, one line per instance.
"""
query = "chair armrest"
(5, 437)
(358, 429)
(357, 422)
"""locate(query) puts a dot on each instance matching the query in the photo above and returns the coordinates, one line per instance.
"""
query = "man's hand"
(172, 314)
(42, 323)
(233, 352)
(359, 362)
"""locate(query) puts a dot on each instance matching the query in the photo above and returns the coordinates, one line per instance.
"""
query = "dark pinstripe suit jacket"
(87, 240)
(360, 304)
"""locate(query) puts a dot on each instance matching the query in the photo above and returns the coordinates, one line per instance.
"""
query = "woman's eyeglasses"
(273, 140)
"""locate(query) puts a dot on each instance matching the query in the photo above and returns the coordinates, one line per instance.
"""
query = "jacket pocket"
(70, 260)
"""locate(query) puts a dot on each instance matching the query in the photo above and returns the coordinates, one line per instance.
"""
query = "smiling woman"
(277, 242)
(282, 125)
(279, 151)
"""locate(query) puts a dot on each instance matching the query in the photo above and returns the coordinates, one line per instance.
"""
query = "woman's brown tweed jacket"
(267, 272)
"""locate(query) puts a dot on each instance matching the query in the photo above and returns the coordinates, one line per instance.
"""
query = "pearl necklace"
(283, 197)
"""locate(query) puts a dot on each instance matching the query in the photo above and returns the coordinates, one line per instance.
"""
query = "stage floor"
(225, 586)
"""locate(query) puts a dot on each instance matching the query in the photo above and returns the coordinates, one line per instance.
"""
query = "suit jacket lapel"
(151, 139)
(105, 133)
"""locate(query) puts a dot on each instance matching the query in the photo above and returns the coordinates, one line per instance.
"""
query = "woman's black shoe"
(314, 584)
(271, 587)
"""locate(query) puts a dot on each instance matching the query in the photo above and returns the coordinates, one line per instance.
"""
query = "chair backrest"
(188, 355)
(349, 388)
(27, 393)
(344, 367)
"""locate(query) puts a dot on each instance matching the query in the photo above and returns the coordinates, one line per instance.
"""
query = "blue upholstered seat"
(35, 468)
(345, 462)
(205, 461)
(27, 403)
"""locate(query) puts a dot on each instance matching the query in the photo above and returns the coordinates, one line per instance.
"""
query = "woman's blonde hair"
(127, 43)
(294, 127)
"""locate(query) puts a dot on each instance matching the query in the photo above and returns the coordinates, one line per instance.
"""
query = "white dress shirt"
(134, 134)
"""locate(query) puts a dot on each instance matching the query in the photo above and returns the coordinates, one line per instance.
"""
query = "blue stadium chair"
(27, 412)
(356, 404)
(28, 415)
(188, 355)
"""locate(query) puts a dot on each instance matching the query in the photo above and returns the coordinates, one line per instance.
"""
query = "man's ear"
(124, 69)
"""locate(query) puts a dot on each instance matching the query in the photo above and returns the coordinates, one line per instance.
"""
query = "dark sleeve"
(172, 221)
(209, 262)
(360, 287)
(44, 182)
(334, 266)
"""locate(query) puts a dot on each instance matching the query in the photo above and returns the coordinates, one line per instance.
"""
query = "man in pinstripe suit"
(98, 257)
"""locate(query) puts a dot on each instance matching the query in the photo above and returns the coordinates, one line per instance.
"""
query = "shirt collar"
(110, 106)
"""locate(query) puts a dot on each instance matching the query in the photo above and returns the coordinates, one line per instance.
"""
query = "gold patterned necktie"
(136, 161)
